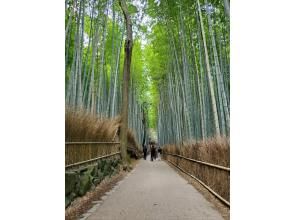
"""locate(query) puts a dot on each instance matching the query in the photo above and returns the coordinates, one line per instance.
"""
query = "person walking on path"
(159, 153)
(155, 152)
(145, 151)
(152, 152)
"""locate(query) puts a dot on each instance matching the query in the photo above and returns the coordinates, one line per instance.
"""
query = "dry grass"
(82, 126)
(85, 127)
(215, 151)
(133, 147)
(132, 140)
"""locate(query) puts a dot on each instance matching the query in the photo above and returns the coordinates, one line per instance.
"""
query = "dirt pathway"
(153, 191)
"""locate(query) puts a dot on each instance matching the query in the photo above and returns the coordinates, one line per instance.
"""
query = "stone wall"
(79, 181)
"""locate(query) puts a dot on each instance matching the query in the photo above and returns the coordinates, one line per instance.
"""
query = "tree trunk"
(126, 79)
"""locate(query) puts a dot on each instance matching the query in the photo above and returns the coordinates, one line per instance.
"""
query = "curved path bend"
(153, 191)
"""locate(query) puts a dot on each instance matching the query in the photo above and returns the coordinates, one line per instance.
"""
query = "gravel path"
(153, 191)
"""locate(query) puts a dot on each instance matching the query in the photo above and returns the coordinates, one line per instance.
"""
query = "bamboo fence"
(215, 178)
(79, 153)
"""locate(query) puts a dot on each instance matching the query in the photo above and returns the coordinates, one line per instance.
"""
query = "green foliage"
(132, 9)
(157, 40)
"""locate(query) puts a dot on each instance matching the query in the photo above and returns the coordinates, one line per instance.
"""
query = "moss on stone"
(71, 179)
(85, 184)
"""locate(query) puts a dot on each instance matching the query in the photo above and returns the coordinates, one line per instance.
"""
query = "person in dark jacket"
(152, 152)
(155, 152)
(145, 151)
(159, 150)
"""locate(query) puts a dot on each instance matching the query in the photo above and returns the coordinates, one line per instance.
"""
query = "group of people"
(154, 151)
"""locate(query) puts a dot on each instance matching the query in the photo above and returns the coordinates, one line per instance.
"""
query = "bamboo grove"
(94, 38)
(180, 67)
(194, 95)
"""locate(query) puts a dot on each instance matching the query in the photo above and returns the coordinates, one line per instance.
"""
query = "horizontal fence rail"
(81, 153)
(225, 169)
(74, 143)
(91, 160)
(201, 162)
(203, 184)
